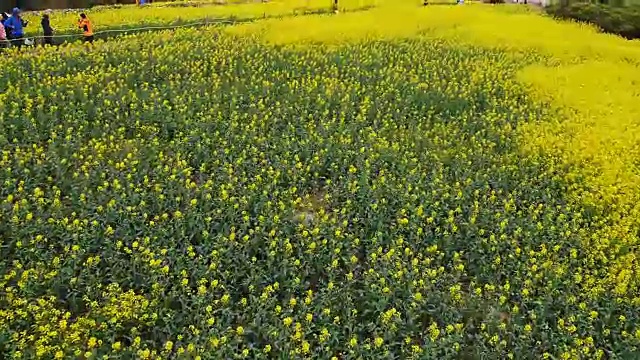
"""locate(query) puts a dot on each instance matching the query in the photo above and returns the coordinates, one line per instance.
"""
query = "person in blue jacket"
(15, 24)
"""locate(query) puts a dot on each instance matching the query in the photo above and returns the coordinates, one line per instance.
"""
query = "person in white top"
(3, 36)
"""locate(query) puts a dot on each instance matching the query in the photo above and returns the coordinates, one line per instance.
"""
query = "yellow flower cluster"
(171, 14)
(398, 182)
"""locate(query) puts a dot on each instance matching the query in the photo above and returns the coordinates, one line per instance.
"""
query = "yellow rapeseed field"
(131, 17)
(393, 181)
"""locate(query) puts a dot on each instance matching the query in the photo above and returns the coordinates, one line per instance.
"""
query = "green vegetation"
(619, 20)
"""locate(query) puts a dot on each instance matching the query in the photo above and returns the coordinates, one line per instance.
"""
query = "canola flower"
(235, 193)
(134, 17)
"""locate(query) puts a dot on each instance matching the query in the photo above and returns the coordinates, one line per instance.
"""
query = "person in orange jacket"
(87, 28)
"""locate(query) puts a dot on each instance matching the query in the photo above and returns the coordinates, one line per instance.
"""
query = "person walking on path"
(46, 28)
(87, 28)
(3, 36)
(16, 25)
(5, 17)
